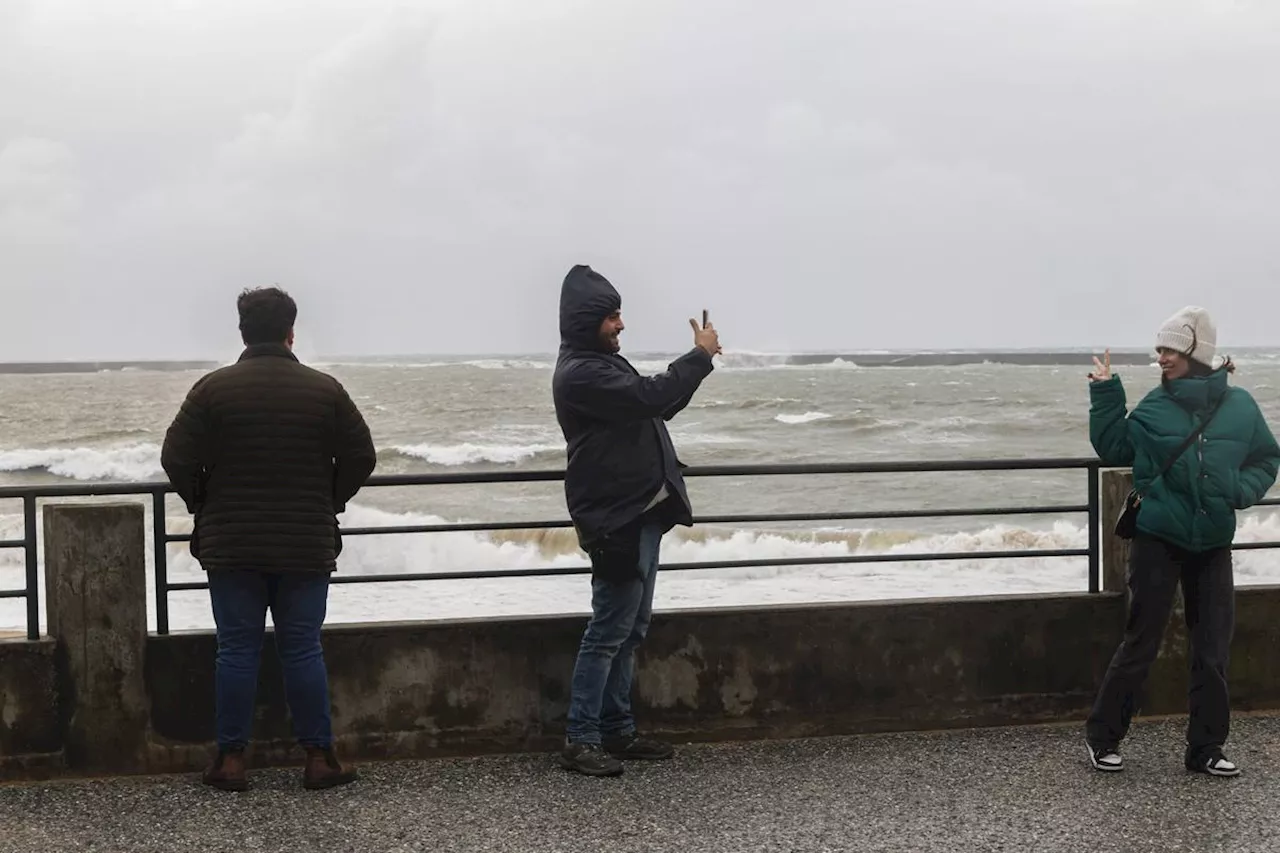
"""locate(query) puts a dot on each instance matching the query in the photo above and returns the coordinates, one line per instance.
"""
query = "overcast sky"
(820, 174)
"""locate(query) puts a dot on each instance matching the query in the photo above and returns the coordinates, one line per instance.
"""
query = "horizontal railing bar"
(920, 467)
(553, 474)
(951, 465)
(461, 527)
(763, 518)
(13, 543)
(13, 593)
(81, 490)
(892, 514)
(550, 571)
(488, 527)
(1254, 546)
(805, 561)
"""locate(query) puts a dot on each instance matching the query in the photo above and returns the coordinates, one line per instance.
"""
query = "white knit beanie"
(1192, 333)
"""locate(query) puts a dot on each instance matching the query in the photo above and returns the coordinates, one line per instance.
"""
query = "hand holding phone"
(705, 336)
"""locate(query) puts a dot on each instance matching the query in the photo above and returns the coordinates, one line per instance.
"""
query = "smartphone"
(704, 318)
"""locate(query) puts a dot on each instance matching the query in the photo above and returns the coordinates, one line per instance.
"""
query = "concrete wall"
(421, 689)
(429, 689)
(30, 734)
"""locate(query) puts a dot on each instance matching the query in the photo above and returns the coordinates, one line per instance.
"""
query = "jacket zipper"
(1199, 487)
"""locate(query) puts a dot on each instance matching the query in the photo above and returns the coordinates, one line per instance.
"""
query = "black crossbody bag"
(1127, 523)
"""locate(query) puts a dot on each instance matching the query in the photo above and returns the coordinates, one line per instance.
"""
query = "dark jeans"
(1208, 591)
(297, 602)
(600, 700)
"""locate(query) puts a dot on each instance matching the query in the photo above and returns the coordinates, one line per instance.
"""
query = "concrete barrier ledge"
(473, 686)
(30, 732)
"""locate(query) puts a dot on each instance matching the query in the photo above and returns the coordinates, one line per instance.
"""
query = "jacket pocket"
(1234, 493)
(616, 557)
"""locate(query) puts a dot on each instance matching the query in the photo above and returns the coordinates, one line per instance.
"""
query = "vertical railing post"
(1115, 551)
(95, 564)
(33, 566)
(1095, 529)
(160, 534)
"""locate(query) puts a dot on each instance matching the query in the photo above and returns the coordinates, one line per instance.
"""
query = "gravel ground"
(1020, 789)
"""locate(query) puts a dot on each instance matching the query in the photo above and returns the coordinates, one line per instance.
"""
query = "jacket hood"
(586, 298)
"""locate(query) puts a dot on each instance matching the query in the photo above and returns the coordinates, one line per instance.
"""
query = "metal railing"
(31, 592)
(161, 537)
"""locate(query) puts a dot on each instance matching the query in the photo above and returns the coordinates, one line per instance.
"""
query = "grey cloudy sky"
(821, 174)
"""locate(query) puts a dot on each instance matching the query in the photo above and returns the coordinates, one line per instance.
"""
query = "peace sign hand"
(1101, 369)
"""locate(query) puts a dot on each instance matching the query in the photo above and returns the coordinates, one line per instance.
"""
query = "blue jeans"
(298, 603)
(600, 700)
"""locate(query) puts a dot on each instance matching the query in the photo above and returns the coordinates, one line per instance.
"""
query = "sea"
(91, 424)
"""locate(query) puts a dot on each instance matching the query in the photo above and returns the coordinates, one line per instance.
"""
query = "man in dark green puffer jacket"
(1185, 527)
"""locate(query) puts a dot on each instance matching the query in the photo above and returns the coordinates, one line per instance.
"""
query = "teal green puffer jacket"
(1230, 467)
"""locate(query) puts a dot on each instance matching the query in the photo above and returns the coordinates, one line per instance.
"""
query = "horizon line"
(742, 351)
(825, 351)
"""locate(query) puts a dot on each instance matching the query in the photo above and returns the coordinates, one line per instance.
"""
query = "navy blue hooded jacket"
(613, 419)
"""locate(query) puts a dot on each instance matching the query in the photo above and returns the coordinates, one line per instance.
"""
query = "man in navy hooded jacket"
(624, 490)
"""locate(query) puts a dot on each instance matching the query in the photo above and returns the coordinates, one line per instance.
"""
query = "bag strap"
(1188, 441)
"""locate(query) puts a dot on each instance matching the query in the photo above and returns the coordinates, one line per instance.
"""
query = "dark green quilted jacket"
(1230, 467)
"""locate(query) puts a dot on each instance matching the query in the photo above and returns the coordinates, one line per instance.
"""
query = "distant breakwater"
(933, 359)
(731, 359)
(100, 366)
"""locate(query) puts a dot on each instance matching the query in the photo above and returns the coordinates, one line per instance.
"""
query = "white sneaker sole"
(1097, 765)
(1211, 771)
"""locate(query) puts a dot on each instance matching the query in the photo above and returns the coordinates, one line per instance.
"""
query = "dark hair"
(266, 315)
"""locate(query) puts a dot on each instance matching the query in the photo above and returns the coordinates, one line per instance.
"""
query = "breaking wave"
(139, 463)
(806, 418)
(134, 463)
(746, 586)
(455, 455)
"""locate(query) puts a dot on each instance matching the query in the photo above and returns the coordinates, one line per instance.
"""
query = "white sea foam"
(757, 585)
(453, 455)
(806, 418)
(137, 463)
(132, 463)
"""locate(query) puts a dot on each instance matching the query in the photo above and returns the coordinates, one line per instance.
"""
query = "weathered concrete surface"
(30, 740)
(429, 689)
(95, 575)
(132, 703)
(465, 687)
(1115, 551)
(1025, 789)
(1253, 674)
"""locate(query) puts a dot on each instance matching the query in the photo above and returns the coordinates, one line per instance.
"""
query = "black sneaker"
(1213, 763)
(1105, 759)
(589, 759)
(638, 748)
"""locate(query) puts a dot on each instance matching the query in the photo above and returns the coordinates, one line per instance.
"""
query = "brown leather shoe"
(227, 772)
(325, 771)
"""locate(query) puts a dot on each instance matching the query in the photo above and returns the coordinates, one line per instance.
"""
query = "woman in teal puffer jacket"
(1186, 523)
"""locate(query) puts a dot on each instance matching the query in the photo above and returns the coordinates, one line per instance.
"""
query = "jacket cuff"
(701, 355)
(1106, 386)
